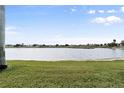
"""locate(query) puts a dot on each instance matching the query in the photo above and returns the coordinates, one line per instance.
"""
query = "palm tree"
(114, 41)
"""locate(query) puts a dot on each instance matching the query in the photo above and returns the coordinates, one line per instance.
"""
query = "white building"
(122, 43)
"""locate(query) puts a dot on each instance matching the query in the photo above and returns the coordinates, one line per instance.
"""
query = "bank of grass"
(67, 74)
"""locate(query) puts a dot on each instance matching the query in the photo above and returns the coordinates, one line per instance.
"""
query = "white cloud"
(73, 9)
(112, 11)
(104, 11)
(11, 30)
(122, 9)
(101, 11)
(58, 36)
(92, 12)
(98, 20)
(107, 20)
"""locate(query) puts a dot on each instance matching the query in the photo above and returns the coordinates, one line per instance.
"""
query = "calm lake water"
(62, 54)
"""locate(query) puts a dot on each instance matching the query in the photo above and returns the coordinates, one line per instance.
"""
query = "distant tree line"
(106, 45)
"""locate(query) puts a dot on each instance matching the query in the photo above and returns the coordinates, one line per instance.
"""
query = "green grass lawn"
(63, 74)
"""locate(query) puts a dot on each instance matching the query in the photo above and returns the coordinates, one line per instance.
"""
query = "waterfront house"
(122, 44)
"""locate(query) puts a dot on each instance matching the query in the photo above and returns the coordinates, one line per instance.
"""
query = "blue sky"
(64, 24)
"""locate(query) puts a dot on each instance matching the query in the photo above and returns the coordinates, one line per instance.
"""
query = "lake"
(55, 54)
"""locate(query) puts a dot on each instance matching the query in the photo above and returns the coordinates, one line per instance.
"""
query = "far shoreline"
(93, 60)
(69, 47)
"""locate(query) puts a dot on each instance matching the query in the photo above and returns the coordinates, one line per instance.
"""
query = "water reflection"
(62, 54)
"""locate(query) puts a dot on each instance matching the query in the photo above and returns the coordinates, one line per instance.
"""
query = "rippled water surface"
(51, 54)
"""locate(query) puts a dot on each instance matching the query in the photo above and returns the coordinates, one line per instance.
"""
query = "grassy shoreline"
(63, 74)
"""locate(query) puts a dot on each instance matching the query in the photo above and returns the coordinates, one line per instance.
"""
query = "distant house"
(122, 43)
